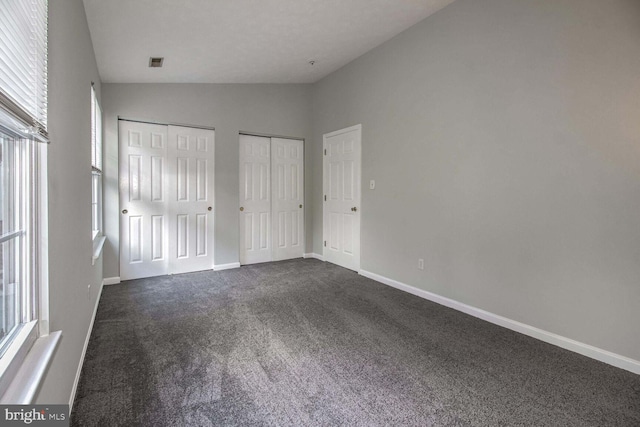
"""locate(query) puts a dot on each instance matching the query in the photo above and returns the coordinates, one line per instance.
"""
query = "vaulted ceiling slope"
(242, 41)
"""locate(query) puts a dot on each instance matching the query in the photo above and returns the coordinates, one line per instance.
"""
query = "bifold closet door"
(166, 199)
(271, 199)
(144, 225)
(255, 199)
(287, 198)
(190, 189)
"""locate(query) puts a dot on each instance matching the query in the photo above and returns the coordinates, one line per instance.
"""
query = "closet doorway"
(166, 199)
(271, 199)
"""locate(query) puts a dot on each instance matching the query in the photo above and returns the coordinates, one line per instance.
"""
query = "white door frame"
(358, 128)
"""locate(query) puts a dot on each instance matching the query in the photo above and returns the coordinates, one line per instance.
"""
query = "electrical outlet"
(372, 184)
(420, 264)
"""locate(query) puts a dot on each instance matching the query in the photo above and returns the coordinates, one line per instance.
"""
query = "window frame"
(34, 314)
(97, 198)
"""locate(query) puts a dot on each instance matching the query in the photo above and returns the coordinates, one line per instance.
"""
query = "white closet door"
(287, 162)
(342, 193)
(166, 190)
(190, 198)
(143, 200)
(255, 199)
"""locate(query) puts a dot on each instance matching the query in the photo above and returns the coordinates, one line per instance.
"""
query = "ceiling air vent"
(156, 62)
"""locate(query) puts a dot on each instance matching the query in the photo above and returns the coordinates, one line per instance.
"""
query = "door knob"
(354, 209)
(209, 208)
(124, 211)
(241, 208)
(300, 206)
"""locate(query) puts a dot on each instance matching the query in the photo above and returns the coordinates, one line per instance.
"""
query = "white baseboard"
(229, 266)
(313, 255)
(605, 356)
(84, 349)
(111, 280)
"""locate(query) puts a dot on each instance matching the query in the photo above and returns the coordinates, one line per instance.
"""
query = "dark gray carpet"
(307, 343)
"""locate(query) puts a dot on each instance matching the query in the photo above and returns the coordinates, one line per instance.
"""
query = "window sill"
(98, 244)
(25, 384)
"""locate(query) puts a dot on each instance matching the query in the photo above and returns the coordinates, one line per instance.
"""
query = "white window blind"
(96, 133)
(23, 62)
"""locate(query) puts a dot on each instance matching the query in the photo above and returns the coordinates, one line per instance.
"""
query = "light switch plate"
(372, 185)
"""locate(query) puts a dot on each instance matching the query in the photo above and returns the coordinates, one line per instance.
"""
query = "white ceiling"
(242, 41)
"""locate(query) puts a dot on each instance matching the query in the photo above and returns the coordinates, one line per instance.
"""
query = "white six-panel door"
(288, 197)
(255, 199)
(342, 197)
(166, 190)
(143, 200)
(271, 199)
(190, 189)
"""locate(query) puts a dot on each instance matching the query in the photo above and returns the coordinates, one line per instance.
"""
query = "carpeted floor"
(308, 343)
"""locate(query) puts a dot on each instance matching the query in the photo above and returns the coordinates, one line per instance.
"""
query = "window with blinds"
(23, 123)
(96, 166)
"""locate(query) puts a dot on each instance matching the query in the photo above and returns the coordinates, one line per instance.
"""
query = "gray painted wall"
(504, 138)
(72, 68)
(270, 109)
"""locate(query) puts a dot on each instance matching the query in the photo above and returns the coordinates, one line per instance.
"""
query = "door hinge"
(325, 151)
(325, 197)
(325, 243)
